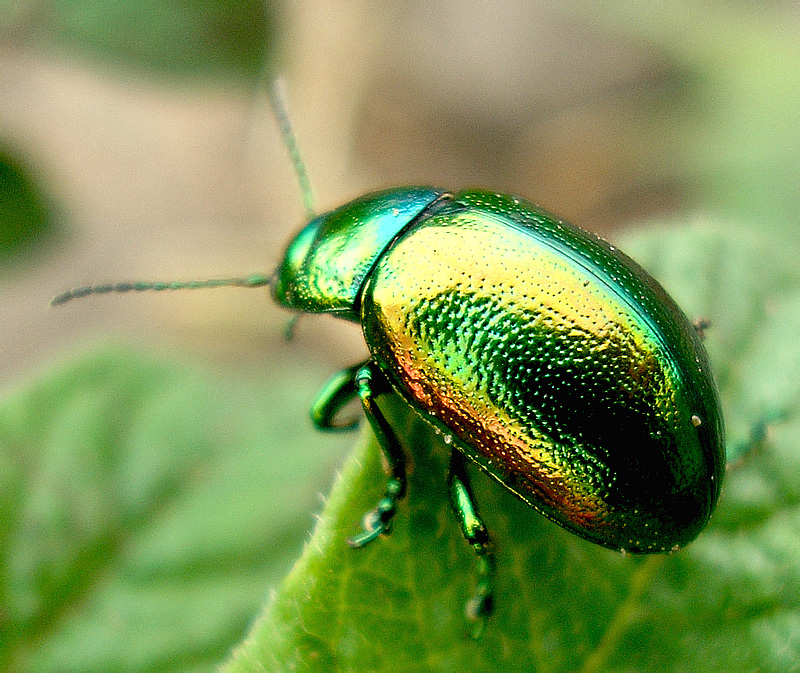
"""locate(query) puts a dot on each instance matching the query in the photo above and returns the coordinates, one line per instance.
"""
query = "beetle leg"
(290, 328)
(333, 397)
(480, 605)
(700, 325)
(370, 382)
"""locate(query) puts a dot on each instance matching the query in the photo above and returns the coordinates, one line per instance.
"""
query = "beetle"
(545, 356)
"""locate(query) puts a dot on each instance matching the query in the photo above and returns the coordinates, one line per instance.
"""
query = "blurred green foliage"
(146, 507)
(738, 140)
(25, 216)
(226, 38)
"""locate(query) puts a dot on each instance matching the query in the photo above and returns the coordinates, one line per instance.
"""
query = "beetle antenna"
(255, 280)
(277, 102)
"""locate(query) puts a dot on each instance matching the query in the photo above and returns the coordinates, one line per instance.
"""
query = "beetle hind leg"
(700, 325)
(480, 606)
(369, 383)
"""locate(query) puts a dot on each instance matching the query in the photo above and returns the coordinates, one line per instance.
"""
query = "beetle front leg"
(370, 382)
(337, 393)
(480, 606)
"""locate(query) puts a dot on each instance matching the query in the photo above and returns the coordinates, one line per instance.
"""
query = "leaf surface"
(728, 602)
(146, 507)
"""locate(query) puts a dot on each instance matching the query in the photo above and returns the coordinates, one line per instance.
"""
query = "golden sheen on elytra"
(559, 366)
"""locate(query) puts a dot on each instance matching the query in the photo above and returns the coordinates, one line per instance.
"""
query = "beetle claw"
(478, 609)
(700, 325)
(377, 521)
(372, 530)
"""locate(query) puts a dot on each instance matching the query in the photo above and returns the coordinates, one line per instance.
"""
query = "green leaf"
(146, 508)
(24, 213)
(728, 602)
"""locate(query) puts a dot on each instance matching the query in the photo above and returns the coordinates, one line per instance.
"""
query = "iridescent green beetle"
(543, 354)
(553, 360)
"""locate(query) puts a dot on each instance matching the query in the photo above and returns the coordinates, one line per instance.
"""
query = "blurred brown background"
(607, 116)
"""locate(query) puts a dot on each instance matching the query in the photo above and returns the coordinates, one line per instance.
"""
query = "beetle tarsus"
(700, 325)
(372, 530)
(378, 521)
(480, 606)
(366, 382)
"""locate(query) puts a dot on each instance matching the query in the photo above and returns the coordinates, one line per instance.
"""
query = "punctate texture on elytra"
(553, 360)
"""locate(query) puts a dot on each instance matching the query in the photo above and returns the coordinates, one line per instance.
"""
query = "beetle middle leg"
(367, 382)
(480, 605)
